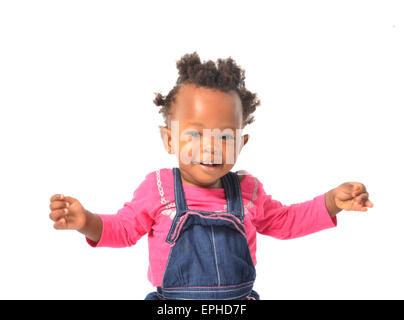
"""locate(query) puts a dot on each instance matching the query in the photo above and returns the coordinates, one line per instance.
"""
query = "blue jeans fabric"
(209, 257)
(156, 295)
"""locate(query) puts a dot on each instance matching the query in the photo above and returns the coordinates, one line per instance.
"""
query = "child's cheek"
(229, 152)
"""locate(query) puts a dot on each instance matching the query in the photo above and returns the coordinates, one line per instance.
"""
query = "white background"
(76, 87)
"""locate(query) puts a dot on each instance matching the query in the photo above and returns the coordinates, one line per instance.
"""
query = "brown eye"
(227, 137)
(194, 134)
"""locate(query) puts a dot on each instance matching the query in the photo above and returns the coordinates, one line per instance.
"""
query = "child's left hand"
(348, 196)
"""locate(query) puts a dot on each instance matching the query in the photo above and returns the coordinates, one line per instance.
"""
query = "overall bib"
(209, 257)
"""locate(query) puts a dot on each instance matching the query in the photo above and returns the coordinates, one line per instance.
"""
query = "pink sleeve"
(131, 222)
(288, 222)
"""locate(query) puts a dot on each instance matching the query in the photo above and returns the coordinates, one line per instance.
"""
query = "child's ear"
(165, 134)
(245, 139)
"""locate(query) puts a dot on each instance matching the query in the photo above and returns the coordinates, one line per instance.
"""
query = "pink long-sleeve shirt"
(152, 209)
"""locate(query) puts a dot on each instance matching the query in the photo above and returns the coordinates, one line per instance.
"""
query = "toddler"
(202, 218)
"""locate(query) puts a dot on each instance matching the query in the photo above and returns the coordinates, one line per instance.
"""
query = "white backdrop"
(76, 87)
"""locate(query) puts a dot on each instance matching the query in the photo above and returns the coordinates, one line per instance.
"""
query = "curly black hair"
(226, 76)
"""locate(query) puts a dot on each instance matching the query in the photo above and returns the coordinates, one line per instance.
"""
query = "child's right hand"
(67, 212)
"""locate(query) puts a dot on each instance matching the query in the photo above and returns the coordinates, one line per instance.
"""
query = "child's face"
(204, 125)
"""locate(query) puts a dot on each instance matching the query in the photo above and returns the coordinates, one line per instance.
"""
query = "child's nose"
(210, 146)
(211, 151)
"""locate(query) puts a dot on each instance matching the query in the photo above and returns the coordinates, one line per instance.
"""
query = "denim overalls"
(209, 257)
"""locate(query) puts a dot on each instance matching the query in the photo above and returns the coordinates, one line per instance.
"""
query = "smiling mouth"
(209, 164)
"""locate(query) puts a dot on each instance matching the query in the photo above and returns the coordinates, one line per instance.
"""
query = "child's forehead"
(207, 106)
(191, 92)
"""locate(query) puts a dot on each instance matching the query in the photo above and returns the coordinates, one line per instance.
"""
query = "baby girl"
(202, 218)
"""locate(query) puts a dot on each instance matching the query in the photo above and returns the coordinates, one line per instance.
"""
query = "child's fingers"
(62, 197)
(361, 198)
(58, 214)
(349, 190)
(69, 200)
(362, 202)
(58, 196)
(346, 188)
(358, 207)
(357, 188)
(60, 224)
(59, 204)
(369, 203)
(359, 201)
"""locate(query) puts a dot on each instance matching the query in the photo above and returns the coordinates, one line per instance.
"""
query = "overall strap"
(231, 184)
(180, 202)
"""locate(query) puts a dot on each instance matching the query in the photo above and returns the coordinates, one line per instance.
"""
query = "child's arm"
(122, 229)
(69, 214)
(291, 221)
